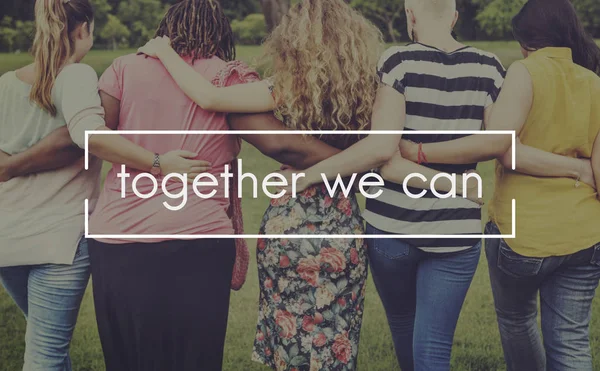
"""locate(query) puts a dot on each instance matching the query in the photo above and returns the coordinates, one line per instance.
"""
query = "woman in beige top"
(43, 184)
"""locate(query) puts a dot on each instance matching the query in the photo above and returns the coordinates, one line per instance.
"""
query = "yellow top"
(553, 217)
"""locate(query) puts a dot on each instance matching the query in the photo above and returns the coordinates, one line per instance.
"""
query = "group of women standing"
(162, 304)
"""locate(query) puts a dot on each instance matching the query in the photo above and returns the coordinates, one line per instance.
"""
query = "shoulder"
(394, 56)
(76, 80)
(519, 69)
(487, 59)
(77, 72)
(131, 59)
(233, 73)
(6, 80)
(519, 75)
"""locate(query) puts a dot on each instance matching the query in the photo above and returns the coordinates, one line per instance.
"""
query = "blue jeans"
(422, 294)
(50, 296)
(566, 286)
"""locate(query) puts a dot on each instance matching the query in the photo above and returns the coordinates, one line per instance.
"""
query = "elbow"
(275, 149)
(506, 159)
(96, 143)
(383, 154)
(500, 149)
(382, 148)
(206, 102)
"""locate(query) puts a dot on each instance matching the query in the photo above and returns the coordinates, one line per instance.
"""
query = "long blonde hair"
(52, 45)
(324, 58)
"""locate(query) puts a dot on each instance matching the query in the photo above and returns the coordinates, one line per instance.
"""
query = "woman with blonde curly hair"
(323, 77)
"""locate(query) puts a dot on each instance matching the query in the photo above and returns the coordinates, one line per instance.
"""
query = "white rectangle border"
(296, 132)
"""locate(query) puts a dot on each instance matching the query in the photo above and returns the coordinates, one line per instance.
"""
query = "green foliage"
(496, 17)
(388, 15)
(25, 34)
(240, 9)
(141, 17)
(251, 30)
(16, 35)
(479, 19)
(7, 38)
(589, 11)
(115, 32)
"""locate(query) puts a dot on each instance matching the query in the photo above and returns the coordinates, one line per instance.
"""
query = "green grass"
(476, 346)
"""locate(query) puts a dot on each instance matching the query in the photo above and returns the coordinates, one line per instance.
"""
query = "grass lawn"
(476, 345)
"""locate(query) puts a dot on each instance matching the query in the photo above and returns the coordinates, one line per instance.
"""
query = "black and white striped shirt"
(443, 91)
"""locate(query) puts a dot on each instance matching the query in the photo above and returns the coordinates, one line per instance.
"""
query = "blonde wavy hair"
(52, 45)
(323, 58)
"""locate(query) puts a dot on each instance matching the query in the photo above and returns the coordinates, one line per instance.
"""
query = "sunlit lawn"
(476, 346)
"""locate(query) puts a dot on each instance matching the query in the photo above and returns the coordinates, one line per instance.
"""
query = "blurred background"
(122, 26)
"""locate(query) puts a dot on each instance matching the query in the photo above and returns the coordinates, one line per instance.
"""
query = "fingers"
(198, 163)
(192, 177)
(184, 154)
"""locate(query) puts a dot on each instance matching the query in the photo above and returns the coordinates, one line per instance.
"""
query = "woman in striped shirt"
(550, 99)
(434, 84)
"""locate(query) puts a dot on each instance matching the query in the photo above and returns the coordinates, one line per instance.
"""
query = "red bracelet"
(421, 158)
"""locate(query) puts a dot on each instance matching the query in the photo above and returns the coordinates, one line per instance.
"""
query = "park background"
(124, 25)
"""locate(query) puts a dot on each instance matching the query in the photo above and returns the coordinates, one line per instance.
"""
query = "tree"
(114, 31)
(387, 14)
(589, 11)
(101, 11)
(240, 9)
(25, 34)
(274, 10)
(495, 19)
(142, 18)
(250, 31)
(7, 34)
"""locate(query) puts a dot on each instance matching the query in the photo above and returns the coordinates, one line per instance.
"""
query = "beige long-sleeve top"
(42, 215)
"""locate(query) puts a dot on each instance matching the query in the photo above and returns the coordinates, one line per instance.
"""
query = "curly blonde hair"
(323, 58)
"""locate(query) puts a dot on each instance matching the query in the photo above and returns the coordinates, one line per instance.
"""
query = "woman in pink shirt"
(162, 302)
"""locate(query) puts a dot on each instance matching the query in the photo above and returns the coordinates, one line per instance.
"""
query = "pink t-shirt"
(151, 100)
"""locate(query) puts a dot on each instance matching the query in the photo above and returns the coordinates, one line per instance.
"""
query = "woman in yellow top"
(556, 252)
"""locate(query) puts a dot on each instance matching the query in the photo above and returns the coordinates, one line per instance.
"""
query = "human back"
(42, 213)
(323, 59)
(448, 88)
(150, 99)
(565, 120)
(563, 62)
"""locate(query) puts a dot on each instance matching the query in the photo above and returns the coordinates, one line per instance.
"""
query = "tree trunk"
(392, 31)
(274, 10)
(114, 44)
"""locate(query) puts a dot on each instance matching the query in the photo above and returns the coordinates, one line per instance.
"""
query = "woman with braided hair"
(162, 304)
(324, 56)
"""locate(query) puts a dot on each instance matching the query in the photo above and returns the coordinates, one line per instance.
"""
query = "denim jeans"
(50, 296)
(423, 294)
(566, 287)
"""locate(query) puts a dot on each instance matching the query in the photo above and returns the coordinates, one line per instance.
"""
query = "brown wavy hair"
(52, 45)
(323, 58)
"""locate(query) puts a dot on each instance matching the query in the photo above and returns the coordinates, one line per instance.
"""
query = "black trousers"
(162, 306)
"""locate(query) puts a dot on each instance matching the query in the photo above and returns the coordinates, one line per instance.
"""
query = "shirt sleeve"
(78, 101)
(237, 73)
(390, 70)
(111, 80)
(498, 75)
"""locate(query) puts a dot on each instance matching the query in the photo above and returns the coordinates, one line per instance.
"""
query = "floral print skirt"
(311, 290)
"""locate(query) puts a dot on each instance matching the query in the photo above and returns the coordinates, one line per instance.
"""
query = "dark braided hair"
(198, 29)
